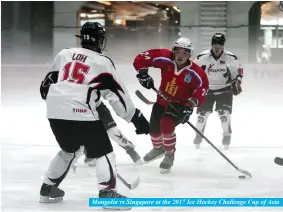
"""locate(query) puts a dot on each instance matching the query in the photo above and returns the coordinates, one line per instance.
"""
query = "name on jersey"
(171, 87)
(79, 57)
(77, 110)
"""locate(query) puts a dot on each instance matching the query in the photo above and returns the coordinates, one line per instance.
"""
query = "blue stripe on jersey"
(163, 59)
(196, 76)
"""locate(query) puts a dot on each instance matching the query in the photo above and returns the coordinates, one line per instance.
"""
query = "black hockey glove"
(144, 79)
(186, 114)
(51, 78)
(181, 113)
(236, 87)
(140, 122)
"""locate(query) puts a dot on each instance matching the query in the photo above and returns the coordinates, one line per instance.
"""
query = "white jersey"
(220, 72)
(84, 76)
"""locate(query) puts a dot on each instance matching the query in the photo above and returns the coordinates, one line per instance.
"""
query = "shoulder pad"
(167, 52)
(110, 60)
(206, 52)
(231, 55)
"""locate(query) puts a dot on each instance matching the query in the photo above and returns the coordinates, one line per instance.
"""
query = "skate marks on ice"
(194, 179)
(22, 174)
(22, 169)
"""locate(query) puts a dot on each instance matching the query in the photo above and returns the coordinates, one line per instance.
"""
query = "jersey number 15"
(75, 72)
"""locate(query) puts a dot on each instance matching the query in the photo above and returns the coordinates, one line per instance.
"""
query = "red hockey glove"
(236, 87)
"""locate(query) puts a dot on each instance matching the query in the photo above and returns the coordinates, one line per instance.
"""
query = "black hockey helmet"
(93, 35)
(218, 38)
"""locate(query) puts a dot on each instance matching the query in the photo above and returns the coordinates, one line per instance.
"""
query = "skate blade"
(91, 163)
(117, 209)
(165, 171)
(197, 146)
(50, 200)
(160, 156)
(226, 146)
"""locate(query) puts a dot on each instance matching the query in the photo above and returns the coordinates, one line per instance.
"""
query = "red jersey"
(177, 85)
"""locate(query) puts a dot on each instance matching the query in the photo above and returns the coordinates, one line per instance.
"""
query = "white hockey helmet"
(184, 43)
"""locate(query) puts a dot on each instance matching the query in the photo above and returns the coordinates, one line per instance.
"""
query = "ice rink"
(28, 145)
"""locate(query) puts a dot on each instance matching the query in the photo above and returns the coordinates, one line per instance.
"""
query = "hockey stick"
(131, 186)
(203, 136)
(142, 98)
(278, 161)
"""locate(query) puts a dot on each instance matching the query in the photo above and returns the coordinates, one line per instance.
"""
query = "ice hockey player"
(106, 118)
(183, 82)
(225, 75)
(114, 134)
(85, 75)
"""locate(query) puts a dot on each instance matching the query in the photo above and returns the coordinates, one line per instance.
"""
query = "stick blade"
(245, 172)
(135, 184)
(130, 186)
(142, 98)
(278, 161)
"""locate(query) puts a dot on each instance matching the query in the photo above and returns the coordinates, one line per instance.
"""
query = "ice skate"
(167, 163)
(154, 154)
(134, 155)
(108, 193)
(50, 194)
(226, 141)
(197, 141)
(89, 161)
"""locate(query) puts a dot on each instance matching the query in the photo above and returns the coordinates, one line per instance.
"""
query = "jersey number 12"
(77, 73)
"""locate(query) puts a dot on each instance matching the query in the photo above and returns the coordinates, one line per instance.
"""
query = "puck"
(242, 176)
(278, 161)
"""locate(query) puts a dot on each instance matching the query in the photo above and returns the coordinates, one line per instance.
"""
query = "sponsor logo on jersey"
(216, 70)
(188, 78)
(222, 62)
(210, 69)
(171, 87)
(77, 110)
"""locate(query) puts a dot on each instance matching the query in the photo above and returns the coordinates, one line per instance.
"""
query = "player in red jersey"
(183, 82)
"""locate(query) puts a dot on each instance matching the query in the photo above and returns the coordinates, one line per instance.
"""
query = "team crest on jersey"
(188, 78)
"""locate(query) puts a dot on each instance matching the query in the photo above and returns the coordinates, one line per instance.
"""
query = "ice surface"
(27, 147)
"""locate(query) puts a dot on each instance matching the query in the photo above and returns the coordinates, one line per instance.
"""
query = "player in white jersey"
(225, 75)
(84, 76)
(105, 116)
